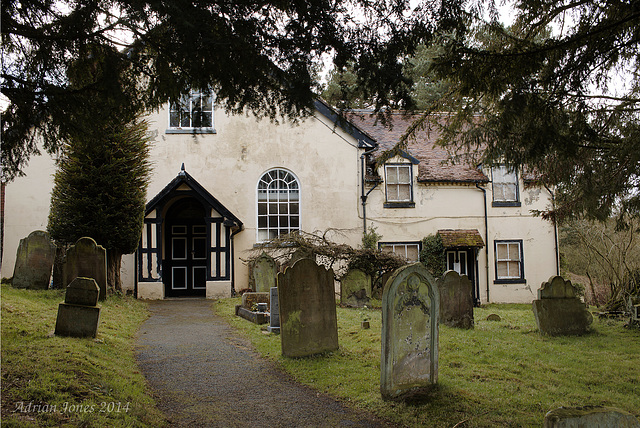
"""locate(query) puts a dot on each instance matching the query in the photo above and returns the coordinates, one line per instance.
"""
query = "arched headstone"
(264, 273)
(410, 308)
(34, 261)
(456, 300)
(355, 288)
(308, 322)
(558, 310)
(89, 260)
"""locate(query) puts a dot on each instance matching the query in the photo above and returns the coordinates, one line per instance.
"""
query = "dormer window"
(505, 186)
(399, 185)
(192, 113)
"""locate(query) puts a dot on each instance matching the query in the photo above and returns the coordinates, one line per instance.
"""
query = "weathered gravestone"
(249, 309)
(456, 300)
(308, 322)
(78, 316)
(355, 289)
(264, 273)
(559, 311)
(89, 260)
(590, 417)
(274, 311)
(410, 308)
(34, 261)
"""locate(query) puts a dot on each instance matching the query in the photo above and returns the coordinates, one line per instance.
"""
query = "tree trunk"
(114, 261)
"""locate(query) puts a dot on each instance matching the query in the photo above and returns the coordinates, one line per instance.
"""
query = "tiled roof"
(461, 238)
(435, 161)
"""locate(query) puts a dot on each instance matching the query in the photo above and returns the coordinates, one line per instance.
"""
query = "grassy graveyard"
(501, 373)
(59, 381)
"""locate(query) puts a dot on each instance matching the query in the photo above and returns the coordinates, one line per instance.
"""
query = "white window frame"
(501, 177)
(277, 204)
(518, 257)
(392, 193)
(186, 103)
(400, 248)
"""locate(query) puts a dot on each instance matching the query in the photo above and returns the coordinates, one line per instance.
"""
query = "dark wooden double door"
(186, 248)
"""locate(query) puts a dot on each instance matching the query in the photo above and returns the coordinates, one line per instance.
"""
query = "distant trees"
(606, 255)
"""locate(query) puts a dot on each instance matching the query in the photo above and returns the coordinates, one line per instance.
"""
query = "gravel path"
(203, 374)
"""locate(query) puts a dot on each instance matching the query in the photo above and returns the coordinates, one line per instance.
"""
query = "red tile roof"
(436, 162)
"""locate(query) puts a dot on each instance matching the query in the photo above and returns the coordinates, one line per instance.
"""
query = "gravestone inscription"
(410, 308)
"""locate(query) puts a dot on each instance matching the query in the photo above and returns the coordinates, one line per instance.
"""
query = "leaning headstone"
(590, 417)
(34, 261)
(355, 289)
(78, 316)
(264, 273)
(558, 310)
(89, 260)
(456, 300)
(308, 322)
(274, 316)
(410, 308)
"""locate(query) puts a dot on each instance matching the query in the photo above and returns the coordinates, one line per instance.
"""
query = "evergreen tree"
(100, 190)
(256, 56)
(103, 168)
(558, 93)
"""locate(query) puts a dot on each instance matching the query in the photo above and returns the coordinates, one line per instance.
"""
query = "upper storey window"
(193, 113)
(505, 186)
(399, 187)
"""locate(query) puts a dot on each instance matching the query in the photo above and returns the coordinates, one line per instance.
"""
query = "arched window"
(278, 204)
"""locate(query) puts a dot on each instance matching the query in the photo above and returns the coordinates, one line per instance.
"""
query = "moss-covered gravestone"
(308, 322)
(410, 308)
(559, 311)
(34, 262)
(86, 259)
(78, 316)
(456, 300)
(264, 273)
(355, 288)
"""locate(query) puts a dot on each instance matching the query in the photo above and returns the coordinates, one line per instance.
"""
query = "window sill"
(505, 204)
(399, 204)
(510, 281)
(190, 131)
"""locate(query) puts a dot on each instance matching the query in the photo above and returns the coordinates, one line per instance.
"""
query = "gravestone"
(274, 317)
(308, 322)
(78, 316)
(249, 309)
(355, 289)
(34, 261)
(264, 273)
(410, 308)
(591, 417)
(456, 300)
(89, 260)
(559, 311)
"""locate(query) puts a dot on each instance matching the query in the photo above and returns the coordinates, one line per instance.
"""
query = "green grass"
(59, 381)
(498, 374)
